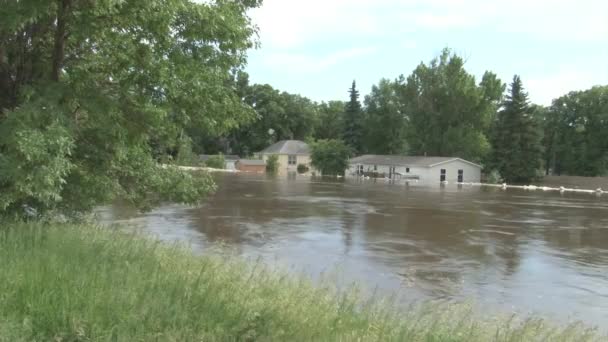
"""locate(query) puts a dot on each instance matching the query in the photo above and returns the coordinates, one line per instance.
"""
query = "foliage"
(493, 177)
(185, 155)
(449, 114)
(92, 93)
(575, 139)
(302, 168)
(272, 163)
(279, 116)
(385, 120)
(216, 162)
(329, 123)
(353, 122)
(80, 283)
(330, 157)
(517, 143)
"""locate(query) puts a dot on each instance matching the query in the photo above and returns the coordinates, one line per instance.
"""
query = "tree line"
(440, 109)
(96, 95)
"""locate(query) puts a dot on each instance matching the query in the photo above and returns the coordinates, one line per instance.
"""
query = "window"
(460, 176)
(360, 169)
(407, 170)
(443, 174)
(292, 159)
(375, 167)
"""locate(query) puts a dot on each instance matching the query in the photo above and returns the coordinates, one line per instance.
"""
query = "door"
(460, 176)
(442, 176)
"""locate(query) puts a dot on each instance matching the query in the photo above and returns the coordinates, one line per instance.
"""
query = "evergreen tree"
(353, 122)
(517, 137)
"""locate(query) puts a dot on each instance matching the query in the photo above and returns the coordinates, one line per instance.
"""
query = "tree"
(272, 163)
(353, 122)
(279, 116)
(448, 113)
(330, 157)
(517, 143)
(578, 122)
(329, 123)
(385, 122)
(92, 92)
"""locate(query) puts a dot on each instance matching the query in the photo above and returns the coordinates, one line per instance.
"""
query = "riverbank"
(66, 282)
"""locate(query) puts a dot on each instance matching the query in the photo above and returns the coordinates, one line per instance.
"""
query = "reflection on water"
(508, 250)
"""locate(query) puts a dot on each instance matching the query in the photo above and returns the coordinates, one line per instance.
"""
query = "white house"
(428, 170)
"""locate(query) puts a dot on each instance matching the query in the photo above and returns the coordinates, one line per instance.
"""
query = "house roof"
(405, 160)
(204, 157)
(287, 147)
(252, 162)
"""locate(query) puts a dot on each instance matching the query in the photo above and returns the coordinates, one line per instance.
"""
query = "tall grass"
(83, 283)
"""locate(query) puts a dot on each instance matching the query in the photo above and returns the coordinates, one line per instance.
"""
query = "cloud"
(544, 89)
(297, 62)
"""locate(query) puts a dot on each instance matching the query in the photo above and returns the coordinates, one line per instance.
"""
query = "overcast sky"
(317, 47)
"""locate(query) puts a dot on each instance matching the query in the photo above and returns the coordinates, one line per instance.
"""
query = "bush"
(272, 163)
(330, 157)
(216, 162)
(302, 168)
(494, 177)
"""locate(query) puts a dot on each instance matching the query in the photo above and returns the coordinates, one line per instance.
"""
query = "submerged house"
(290, 153)
(424, 169)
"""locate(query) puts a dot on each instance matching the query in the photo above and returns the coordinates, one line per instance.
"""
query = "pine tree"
(353, 121)
(517, 137)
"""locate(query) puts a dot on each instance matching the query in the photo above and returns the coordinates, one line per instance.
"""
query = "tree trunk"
(60, 38)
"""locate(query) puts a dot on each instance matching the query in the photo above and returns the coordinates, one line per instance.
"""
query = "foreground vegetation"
(77, 283)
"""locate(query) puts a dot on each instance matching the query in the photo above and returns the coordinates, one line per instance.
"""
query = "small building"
(291, 153)
(427, 170)
(251, 165)
(230, 159)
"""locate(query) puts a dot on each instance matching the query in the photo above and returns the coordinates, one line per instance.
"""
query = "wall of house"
(284, 161)
(426, 175)
(471, 173)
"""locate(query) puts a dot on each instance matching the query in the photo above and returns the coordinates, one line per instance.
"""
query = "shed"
(251, 165)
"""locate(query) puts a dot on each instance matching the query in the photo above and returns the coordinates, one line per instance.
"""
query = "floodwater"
(508, 251)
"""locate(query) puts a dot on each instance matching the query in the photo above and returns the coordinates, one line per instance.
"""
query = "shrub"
(216, 162)
(302, 168)
(330, 157)
(272, 163)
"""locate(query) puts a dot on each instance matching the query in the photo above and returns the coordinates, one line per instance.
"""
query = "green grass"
(83, 283)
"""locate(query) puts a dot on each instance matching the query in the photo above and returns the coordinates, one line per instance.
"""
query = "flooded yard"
(506, 250)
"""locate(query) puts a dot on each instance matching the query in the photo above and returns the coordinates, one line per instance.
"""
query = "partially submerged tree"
(330, 157)
(92, 92)
(517, 140)
(449, 114)
(353, 122)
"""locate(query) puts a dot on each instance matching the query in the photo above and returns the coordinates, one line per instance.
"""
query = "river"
(509, 251)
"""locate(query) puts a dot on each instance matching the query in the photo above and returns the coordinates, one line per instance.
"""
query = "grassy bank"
(81, 283)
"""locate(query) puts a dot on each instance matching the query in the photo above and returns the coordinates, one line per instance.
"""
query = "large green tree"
(449, 114)
(517, 140)
(330, 120)
(385, 120)
(278, 116)
(576, 129)
(90, 91)
(330, 156)
(353, 122)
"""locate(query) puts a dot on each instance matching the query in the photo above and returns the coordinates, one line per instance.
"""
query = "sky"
(316, 48)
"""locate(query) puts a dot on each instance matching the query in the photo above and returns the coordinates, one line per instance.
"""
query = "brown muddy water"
(508, 251)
